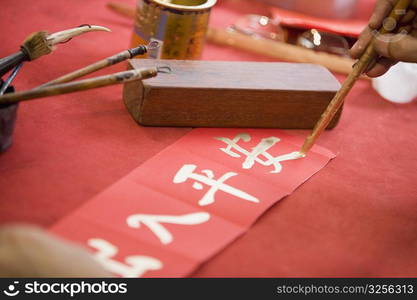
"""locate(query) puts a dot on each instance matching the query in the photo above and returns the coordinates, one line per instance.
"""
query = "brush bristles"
(36, 45)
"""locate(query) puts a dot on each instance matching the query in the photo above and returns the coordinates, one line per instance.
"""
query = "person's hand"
(391, 47)
(27, 251)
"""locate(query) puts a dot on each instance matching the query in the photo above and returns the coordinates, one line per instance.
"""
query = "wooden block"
(231, 94)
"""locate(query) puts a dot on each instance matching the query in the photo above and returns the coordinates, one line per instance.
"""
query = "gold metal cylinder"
(179, 25)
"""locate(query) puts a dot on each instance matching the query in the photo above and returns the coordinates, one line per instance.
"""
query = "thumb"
(398, 47)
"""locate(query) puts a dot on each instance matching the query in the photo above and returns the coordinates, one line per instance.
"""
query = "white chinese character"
(153, 223)
(260, 150)
(135, 266)
(187, 172)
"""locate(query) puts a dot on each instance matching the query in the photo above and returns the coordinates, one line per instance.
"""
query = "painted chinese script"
(258, 154)
(185, 204)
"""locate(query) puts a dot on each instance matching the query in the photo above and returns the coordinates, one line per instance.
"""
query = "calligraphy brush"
(42, 43)
(10, 78)
(108, 61)
(367, 58)
(81, 85)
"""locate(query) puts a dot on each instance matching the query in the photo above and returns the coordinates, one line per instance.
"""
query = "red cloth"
(351, 28)
(357, 217)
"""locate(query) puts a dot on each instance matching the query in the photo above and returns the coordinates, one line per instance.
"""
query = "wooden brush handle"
(81, 85)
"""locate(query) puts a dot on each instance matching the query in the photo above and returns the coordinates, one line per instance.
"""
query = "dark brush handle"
(9, 62)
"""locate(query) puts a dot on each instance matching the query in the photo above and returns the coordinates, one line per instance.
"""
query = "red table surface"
(357, 217)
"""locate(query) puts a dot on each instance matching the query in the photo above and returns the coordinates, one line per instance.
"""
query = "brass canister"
(179, 25)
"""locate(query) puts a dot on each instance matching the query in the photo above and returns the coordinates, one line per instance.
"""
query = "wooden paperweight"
(231, 94)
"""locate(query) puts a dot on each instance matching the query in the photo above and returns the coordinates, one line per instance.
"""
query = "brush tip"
(36, 45)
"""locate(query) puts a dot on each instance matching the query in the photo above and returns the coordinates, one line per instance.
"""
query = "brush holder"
(8, 114)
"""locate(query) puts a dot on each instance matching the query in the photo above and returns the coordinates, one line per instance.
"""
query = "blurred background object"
(324, 41)
(398, 84)
(179, 26)
(260, 34)
(259, 26)
(279, 50)
(346, 27)
(334, 9)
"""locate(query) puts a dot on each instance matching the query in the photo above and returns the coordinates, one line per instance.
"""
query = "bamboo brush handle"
(367, 57)
(109, 61)
(81, 85)
(79, 73)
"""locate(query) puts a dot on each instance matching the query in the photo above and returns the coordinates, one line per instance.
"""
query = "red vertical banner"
(188, 202)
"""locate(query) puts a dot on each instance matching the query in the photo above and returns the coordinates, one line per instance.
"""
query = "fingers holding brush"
(367, 56)
(391, 48)
(380, 18)
(398, 47)
(380, 67)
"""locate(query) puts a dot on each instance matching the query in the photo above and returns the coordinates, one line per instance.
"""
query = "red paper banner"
(188, 202)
